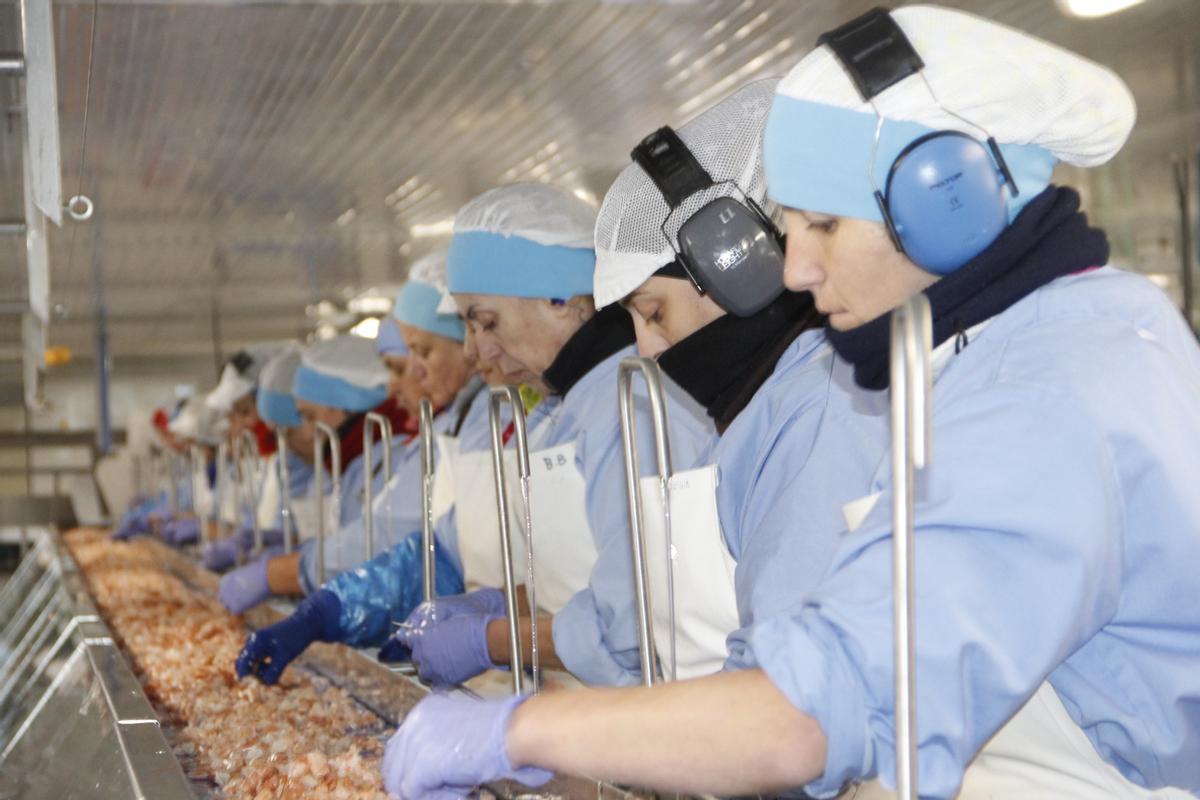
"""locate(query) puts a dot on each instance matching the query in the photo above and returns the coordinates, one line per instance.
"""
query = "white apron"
(706, 609)
(478, 526)
(270, 497)
(304, 512)
(563, 549)
(443, 474)
(1039, 753)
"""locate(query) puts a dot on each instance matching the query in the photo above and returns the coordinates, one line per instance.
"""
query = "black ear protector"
(729, 248)
(944, 200)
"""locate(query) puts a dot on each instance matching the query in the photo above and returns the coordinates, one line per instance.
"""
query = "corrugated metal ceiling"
(247, 160)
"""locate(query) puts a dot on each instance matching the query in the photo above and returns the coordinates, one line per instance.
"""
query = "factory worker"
(277, 409)
(337, 383)
(1056, 527)
(521, 269)
(236, 390)
(749, 541)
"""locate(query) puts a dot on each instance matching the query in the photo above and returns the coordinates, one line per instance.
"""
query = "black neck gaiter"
(724, 363)
(1050, 238)
(610, 330)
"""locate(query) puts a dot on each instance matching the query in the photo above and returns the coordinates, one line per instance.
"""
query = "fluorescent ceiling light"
(367, 329)
(443, 227)
(371, 302)
(1095, 8)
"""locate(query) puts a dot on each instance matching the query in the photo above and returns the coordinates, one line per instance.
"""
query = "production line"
(835, 449)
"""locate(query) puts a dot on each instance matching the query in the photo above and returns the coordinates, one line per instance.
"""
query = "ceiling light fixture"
(1095, 8)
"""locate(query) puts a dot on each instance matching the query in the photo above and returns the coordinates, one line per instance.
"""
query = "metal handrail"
(248, 476)
(499, 395)
(662, 451)
(221, 487)
(325, 432)
(283, 472)
(371, 421)
(428, 561)
(912, 449)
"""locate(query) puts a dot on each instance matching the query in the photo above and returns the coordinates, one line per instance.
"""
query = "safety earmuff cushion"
(946, 199)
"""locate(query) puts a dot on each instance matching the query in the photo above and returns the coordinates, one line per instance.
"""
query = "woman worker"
(1056, 526)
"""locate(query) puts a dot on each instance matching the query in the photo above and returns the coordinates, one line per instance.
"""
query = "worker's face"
(403, 387)
(519, 335)
(312, 413)
(666, 311)
(438, 364)
(491, 373)
(299, 439)
(850, 265)
(243, 416)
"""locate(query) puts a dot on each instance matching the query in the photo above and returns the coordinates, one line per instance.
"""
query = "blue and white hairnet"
(275, 403)
(419, 299)
(344, 373)
(1043, 105)
(388, 341)
(524, 240)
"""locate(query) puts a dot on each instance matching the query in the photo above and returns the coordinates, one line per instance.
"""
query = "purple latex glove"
(486, 601)
(134, 523)
(223, 553)
(450, 744)
(268, 651)
(447, 651)
(180, 532)
(245, 587)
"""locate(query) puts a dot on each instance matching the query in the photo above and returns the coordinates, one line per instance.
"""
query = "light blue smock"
(595, 634)
(805, 444)
(377, 595)
(1057, 538)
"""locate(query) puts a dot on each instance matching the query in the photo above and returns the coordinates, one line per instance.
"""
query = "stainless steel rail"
(324, 433)
(372, 421)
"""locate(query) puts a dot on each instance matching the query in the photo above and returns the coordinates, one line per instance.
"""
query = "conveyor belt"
(58, 658)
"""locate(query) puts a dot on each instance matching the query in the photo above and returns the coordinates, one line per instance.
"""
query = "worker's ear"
(580, 307)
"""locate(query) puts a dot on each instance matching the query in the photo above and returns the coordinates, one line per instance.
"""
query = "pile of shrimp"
(294, 740)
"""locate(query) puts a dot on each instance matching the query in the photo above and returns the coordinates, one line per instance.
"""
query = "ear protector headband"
(729, 248)
(944, 201)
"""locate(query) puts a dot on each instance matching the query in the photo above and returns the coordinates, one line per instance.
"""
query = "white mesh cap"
(1020, 89)
(430, 270)
(277, 374)
(727, 141)
(539, 212)
(199, 422)
(350, 358)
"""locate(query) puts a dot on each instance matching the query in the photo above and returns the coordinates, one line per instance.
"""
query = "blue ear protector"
(944, 200)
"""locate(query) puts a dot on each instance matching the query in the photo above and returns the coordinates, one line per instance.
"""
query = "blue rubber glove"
(134, 523)
(486, 601)
(449, 744)
(180, 532)
(448, 651)
(222, 554)
(245, 587)
(268, 651)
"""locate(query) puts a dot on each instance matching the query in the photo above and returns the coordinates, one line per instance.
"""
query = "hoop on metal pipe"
(324, 433)
(283, 472)
(249, 478)
(912, 449)
(81, 208)
(428, 563)
(371, 421)
(498, 397)
(662, 451)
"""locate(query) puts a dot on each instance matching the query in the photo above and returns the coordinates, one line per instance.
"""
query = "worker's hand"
(450, 744)
(180, 532)
(447, 651)
(486, 601)
(245, 587)
(223, 553)
(135, 523)
(268, 651)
